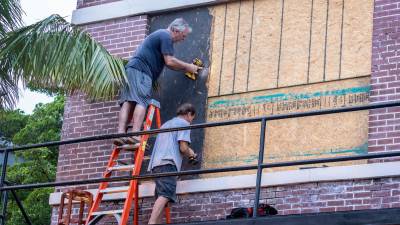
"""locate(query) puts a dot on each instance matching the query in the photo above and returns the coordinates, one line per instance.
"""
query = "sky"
(37, 10)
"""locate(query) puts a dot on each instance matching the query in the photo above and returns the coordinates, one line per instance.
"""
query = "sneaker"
(125, 140)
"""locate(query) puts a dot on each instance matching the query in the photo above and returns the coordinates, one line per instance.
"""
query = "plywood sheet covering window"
(230, 46)
(295, 43)
(317, 43)
(243, 47)
(289, 139)
(266, 44)
(217, 29)
(333, 39)
(265, 39)
(357, 44)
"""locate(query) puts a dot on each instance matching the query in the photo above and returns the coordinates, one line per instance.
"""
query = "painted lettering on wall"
(226, 108)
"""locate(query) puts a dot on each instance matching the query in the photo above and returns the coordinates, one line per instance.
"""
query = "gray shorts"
(139, 89)
(165, 186)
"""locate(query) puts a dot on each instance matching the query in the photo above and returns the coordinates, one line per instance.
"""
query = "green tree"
(11, 121)
(37, 165)
(53, 55)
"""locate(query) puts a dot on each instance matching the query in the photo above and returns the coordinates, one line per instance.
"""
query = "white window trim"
(114, 10)
(337, 173)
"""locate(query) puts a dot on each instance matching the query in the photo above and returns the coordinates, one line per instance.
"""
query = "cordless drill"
(193, 160)
(196, 62)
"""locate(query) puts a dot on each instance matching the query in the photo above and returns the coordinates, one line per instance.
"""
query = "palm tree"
(53, 55)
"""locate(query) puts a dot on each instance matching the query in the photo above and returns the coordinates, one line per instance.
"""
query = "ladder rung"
(121, 168)
(109, 212)
(114, 190)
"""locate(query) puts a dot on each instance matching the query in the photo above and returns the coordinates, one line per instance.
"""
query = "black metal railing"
(259, 167)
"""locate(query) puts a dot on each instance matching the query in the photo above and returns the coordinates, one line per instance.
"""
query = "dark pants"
(165, 186)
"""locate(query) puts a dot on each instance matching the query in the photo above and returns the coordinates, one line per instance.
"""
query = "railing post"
(21, 207)
(259, 167)
(4, 193)
(4, 197)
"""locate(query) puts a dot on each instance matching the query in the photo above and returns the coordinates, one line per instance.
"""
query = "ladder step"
(121, 168)
(114, 190)
(109, 212)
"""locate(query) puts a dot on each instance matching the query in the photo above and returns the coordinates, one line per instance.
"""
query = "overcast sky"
(37, 10)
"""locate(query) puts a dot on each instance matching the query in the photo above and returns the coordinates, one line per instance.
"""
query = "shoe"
(124, 141)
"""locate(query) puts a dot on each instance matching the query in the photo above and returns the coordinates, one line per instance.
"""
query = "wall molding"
(327, 174)
(124, 8)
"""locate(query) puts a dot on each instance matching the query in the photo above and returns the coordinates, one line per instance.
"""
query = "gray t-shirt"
(149, 57)
(166, 148)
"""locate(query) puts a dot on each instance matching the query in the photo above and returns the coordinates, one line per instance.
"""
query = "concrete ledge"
(365, 171)
(126, 8)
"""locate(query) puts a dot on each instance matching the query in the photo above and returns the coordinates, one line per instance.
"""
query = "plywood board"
(317, 48)
(295, 43)
(290, 139)
(333, 39)
(229, 51)
(265, 45)
(243, 46)
(357, 38)
(311, 41)
(218, 28)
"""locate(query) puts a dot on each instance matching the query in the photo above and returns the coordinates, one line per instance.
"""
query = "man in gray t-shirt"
(143, 69)
(168, 151)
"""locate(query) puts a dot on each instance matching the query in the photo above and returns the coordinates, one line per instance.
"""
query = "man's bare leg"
(124, 117)
(138, 117)
(158, 208)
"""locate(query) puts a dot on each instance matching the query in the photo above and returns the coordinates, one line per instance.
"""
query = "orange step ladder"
(132, 191)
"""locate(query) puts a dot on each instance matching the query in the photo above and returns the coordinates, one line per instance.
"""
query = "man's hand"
(191, 68)
(188, 152)
(193, 159)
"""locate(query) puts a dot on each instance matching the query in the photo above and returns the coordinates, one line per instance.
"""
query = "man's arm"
(186, 150)
(176, 64)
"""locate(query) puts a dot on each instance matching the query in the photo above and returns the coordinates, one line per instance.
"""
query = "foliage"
(10, 15)
(11, 121)
(37, 165)
(53, 56)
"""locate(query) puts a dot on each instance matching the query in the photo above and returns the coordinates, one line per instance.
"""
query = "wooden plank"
(317, 51)
(243, 48)
(333, 40)
(357, 38)
(217, 38)
(229, 52)
(295, 43)
(265, 44)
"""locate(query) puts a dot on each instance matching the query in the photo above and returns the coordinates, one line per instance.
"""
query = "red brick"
(336, 203)
(362, 207)
(328, 209)
(344, 208)
(363, 195)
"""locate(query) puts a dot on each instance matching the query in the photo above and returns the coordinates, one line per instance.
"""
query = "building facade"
(262, 57)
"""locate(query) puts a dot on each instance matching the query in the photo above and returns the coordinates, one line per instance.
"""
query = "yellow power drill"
(196, 62)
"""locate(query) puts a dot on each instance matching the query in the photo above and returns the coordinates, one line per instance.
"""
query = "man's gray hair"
(179, 24)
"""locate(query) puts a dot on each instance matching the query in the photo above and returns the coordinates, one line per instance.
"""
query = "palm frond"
(10, 15)
(53, 54)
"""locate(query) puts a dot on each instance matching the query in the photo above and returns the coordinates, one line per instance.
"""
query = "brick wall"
(82, 118)
(290, 199)
(121, 38)
(87, 3)
(384, 124)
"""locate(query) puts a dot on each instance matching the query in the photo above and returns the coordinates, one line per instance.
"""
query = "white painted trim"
(126, 8)
(146, 189)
